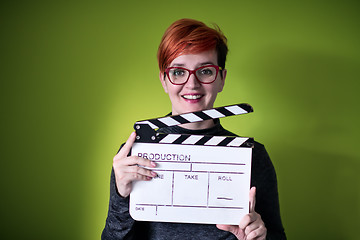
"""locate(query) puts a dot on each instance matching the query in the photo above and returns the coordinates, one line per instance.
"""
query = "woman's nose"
(192, 82)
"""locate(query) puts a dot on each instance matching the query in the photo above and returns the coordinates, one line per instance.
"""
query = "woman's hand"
(128, 169)
(251, 225)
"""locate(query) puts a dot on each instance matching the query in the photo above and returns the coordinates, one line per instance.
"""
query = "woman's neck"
(199, 125)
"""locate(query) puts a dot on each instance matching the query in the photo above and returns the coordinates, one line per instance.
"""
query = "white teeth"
(191, 96)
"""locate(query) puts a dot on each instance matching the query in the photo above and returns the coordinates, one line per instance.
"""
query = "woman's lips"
(192, 97)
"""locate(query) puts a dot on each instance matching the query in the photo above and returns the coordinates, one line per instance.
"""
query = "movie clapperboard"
(200, 179)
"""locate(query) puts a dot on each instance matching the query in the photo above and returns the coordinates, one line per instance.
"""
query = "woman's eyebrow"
(178, 65)
(206, 63)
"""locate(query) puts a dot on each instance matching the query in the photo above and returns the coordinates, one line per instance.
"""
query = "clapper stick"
(146, 133)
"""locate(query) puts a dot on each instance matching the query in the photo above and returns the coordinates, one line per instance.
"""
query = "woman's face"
(193, 95)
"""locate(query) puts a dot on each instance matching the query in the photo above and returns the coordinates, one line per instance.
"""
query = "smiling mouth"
(192, 97)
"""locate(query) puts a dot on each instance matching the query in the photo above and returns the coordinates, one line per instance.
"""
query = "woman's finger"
(225, 227)
(252, 199)
(258, 233)
(141, 171)
(239, 233)
(134, 160)
(124, 151)
(128, 178)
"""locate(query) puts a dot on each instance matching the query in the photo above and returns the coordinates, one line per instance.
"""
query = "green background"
(76, 75)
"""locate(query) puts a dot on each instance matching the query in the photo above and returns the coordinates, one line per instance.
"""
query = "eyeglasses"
(205, 74)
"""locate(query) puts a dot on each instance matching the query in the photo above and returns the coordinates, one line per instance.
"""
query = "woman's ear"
(222, 79)
(163, 82)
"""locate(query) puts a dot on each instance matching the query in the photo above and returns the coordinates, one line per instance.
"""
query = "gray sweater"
(120, 225)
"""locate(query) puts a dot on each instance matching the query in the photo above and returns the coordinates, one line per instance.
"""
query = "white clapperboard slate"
(201, 179)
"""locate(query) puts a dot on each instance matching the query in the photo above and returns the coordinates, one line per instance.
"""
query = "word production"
(165, 156)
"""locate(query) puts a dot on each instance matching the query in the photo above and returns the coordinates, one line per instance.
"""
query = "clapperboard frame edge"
(146, 131)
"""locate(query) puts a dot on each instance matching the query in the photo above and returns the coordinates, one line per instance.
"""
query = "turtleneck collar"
(216, 130)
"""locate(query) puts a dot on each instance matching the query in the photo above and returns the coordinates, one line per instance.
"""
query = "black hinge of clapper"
(145, 133)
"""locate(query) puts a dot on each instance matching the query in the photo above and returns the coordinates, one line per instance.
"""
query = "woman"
(192, 59)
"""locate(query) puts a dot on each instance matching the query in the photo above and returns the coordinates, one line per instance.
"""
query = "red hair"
(190, 36)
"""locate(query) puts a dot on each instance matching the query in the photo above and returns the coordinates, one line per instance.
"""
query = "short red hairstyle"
(190, 36)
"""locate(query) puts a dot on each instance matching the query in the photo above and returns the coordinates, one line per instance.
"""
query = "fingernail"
(153, 164)
(154, 174)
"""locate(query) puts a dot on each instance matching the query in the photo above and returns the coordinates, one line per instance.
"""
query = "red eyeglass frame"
(193, 72)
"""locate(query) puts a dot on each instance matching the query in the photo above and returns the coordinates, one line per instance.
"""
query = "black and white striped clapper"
(146, 129)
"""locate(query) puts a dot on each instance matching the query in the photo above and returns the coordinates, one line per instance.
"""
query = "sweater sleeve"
(118, 222)
(267, 199)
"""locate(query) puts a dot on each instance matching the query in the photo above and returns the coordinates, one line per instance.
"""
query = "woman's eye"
(206, 71)
(178, 72)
